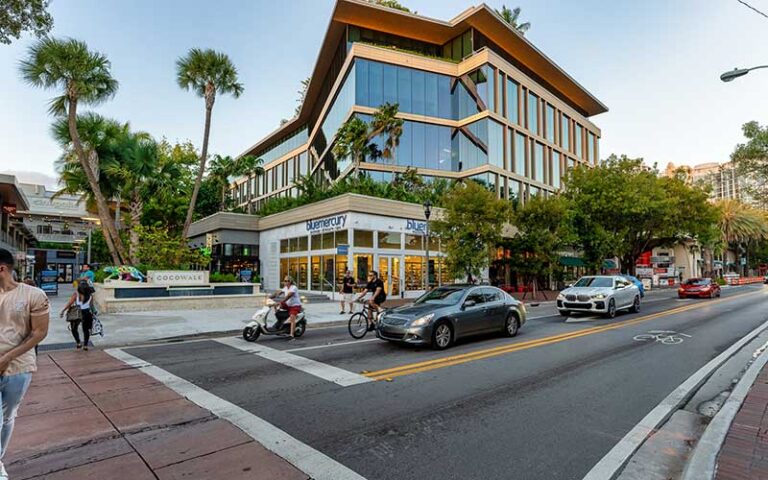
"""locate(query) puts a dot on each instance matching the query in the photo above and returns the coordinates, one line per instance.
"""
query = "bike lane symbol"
(665, 337)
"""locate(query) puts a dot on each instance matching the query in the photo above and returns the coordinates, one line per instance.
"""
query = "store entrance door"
(389, 270)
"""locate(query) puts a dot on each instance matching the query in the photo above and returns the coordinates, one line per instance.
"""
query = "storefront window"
(284, 246)
(317, 242)
(302, 277)
(414, 242)
(328, 241)
(341, 269)
(389, 240)
(363, 265)
(283, 268)
(316, 272)
(302, 244)
(363, 238)
(342, 238)
(414, 273)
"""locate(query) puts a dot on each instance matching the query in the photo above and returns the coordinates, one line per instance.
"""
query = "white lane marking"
(310, 461)
(608, 467)
(339, 344)
(333, 374)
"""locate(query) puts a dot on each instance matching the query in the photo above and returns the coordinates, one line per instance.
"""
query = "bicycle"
(359, 325)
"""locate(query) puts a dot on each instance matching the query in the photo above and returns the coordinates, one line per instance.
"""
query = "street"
(548, 404)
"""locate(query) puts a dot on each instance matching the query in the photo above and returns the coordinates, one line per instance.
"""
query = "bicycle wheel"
(358, 325)
(671, 340)
(644, 337)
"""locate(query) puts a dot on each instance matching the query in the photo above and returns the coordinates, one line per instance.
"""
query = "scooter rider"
(291, 302)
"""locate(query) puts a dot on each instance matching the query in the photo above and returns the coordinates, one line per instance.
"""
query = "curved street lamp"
(731, 75)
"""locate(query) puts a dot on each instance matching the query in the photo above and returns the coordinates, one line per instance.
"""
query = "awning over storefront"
(572, 262)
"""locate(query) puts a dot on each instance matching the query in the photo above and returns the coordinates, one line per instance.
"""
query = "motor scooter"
(259, 324)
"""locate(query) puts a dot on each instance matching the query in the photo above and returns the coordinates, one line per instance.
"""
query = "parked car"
(699, 287)
(765, 280)
(603, 294)
(637, 283)
(446, 314)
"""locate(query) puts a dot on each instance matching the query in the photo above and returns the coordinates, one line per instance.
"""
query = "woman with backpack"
(78, 311)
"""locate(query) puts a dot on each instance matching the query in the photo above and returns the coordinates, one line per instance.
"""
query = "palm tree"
(355, 138)
(511, 17)
(207, 72)
(741, 224)
(83, 77)
(224, 168)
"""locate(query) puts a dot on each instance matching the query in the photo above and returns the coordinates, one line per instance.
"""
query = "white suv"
(603, 294)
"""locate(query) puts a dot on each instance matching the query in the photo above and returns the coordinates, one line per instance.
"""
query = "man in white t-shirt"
(291, 302)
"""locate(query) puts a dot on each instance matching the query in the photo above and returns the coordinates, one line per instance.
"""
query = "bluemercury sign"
(178, 277)
(335, 222)
(416, 226)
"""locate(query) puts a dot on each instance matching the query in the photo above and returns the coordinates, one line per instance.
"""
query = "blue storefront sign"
(342, 249)
(335, 222)
(416, 226)
(49, 282)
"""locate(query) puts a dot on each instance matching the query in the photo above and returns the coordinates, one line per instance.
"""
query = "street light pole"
(90, 230)
(732, 75)
(427, 214)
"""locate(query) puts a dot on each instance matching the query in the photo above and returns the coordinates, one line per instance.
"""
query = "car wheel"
(565, 313)
(611, 312)
(512, 325)
(635, 305)
(442, 336)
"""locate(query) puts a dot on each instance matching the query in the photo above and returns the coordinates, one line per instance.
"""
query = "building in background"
(722, 179)
(478, 100)
(15, 236)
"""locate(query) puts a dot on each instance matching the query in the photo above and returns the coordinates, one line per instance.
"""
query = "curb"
(614, 461)
(703, 461)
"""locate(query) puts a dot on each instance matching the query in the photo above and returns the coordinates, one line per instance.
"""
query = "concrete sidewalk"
(88, 416)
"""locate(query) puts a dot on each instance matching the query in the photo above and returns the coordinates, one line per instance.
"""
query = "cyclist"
(376, 288)
(290, 302)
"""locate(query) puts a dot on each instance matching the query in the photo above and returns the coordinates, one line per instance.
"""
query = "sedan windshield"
(594, 282)
(443, 296)
(699, 282)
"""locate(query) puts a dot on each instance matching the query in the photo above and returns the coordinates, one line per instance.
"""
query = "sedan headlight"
(599, 296)
(420, 322)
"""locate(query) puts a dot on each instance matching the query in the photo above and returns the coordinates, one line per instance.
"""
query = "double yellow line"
(409, 369)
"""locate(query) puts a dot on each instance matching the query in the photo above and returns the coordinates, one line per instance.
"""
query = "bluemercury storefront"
(317, 243)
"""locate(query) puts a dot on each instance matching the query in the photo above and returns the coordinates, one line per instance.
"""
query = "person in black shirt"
(348, 292)
(376, 288)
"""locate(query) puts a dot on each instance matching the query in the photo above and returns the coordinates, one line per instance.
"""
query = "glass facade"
(533, 113)
(565, 133)
(578, 136)
(549, 123)
(537, 166)
(511, 94)
(556, 174)
(519, 154)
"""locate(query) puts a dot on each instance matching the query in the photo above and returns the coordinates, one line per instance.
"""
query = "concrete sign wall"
(178, 277)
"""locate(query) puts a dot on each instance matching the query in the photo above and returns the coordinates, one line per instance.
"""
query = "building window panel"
(390, 83)
(431, 95)
(550, 123)
(363, 238)
(417, 93)
(404, 89)
(511, 100)
(519, 154)
(556, 174)
(496, 143)
(390, 240)
(578, 138)
(375, 80)
(533, 113)
(565, 133)
(538, 162)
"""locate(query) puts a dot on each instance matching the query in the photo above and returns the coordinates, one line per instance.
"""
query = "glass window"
(490, 75)
(361, 82)
(577, 132)
(444, 109)
(404, 89)
(431, 95)
(284, 245)
(390, 83)
(317, 242)
(533, 113)
(432, 146)
(538, 162)
(301, 244)
(495, 143)
(413, 242)
(418, 158)
(414, 273)
(556, 169)
(550, 123)
(363, 238)
(591, 147)
(513, 191)
(375, 78)
(363, 265)
(512, 108)
(328, 240)
(389, 240)
(342, 237)
(565, 129)
(519, 153)
(417, 93)
(533, 191)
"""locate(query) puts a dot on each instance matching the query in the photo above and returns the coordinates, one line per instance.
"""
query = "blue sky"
(655, 63)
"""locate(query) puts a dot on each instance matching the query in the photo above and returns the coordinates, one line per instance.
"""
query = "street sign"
(342, 249)
(245, 275)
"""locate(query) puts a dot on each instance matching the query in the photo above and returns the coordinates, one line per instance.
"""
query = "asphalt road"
(548, 404)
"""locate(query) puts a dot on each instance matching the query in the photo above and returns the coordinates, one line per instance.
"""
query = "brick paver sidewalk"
(89, 416)
(744, 455)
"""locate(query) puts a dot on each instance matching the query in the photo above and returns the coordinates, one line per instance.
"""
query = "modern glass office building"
(478, 101)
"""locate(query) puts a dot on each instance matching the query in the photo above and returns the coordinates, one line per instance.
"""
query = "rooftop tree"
(17, 16)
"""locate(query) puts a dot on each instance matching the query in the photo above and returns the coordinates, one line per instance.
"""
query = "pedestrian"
(23, 324)
(87, 274)
(78, 312)
(348, 292)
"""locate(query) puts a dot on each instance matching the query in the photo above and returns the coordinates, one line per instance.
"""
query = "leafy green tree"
(168, 208)
(356, 139)
(207, 73)
(470, 227)
(17, 16)
(624, 209)
(392, 4)
(158, 248)
(751, 160)
(512, 17)
(82, 77)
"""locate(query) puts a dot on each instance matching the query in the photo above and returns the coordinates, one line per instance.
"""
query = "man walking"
(23, 324)
(87, 274)
(348, 292)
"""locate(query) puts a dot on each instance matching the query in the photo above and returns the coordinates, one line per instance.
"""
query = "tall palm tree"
(741, 224)
(224, 168)
(355, 139)
(511, 16)
(82, 77)
(207, 73)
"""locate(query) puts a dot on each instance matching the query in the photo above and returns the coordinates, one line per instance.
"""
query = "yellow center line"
(448, 361)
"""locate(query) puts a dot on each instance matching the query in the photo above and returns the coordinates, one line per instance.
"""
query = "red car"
(699, 287)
